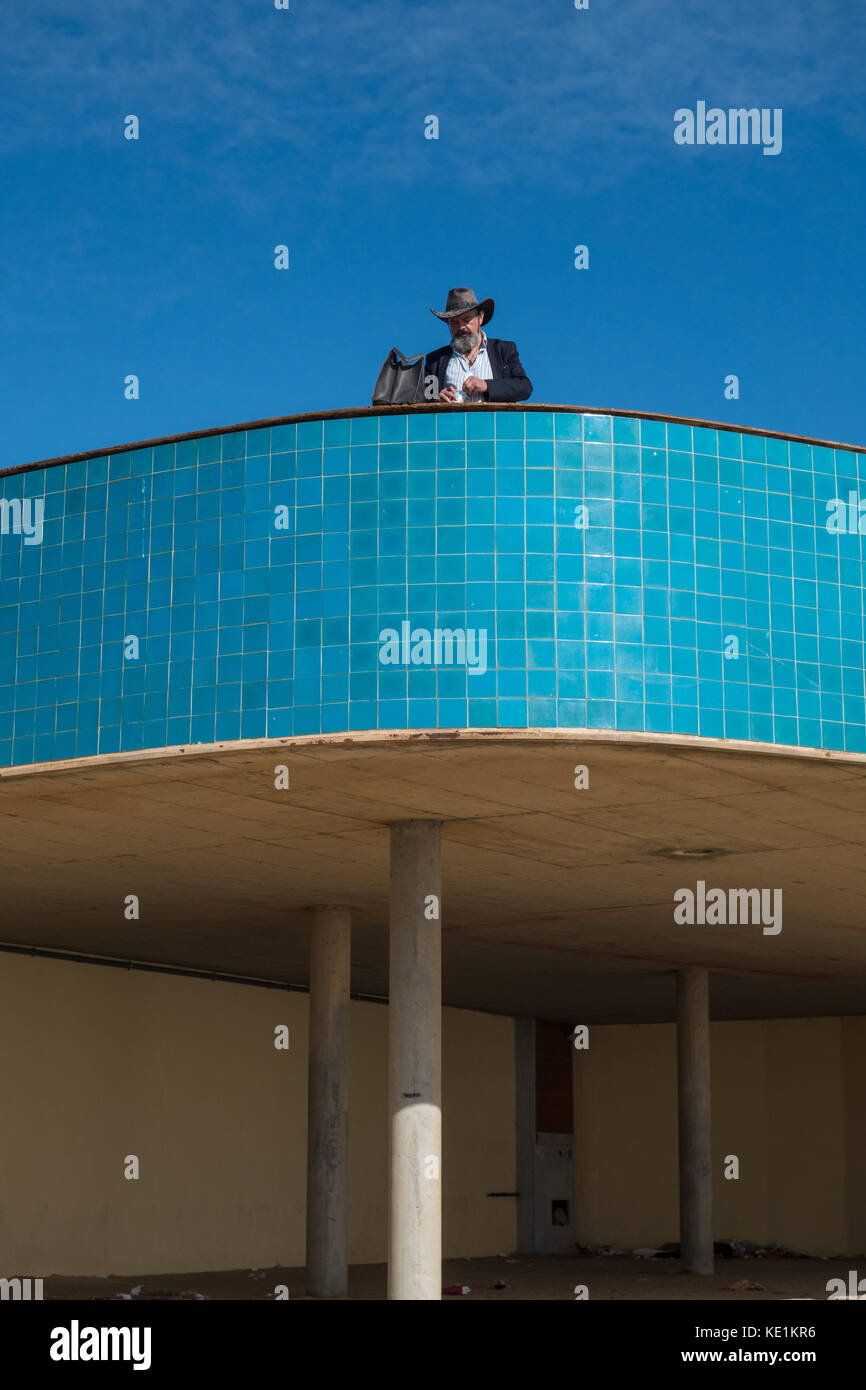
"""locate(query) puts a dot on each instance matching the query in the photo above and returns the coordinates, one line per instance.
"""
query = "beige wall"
(853, 1047)
(787, 1099)
(100, 1063)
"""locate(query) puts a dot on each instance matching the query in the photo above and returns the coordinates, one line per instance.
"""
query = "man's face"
(466, 331)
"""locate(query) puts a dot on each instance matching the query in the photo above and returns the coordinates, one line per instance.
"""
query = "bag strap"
(406, 361)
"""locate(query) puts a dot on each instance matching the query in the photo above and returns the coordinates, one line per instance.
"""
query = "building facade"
(568, 650)
(595, 571)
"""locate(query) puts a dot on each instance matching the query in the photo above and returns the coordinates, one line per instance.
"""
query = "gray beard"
(465, 342)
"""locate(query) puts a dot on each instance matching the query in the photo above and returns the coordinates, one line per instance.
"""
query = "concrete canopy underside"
(557, 902)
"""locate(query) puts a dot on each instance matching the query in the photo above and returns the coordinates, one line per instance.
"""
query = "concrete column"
(693, 1094)
(328, 1108)
(415, 1062)
(524, 1098)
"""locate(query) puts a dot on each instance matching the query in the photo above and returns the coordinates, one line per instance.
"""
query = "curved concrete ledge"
(427, 408)
(547, 888)
(378, 738)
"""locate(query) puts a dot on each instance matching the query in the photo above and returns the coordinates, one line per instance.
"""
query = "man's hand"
(448, 393)
(473, 384)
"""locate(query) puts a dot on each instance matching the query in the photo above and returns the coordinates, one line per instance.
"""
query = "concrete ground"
(526, 1278)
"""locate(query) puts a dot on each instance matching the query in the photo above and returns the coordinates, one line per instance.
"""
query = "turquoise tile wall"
(245, 585)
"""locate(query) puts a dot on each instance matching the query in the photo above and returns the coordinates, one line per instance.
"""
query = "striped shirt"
(459, 369)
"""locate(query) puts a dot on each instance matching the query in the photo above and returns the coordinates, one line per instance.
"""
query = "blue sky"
(306, 127)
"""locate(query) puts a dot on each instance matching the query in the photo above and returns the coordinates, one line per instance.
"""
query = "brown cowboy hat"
(460, 301)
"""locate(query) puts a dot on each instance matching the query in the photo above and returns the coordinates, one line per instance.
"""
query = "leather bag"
(401, 380)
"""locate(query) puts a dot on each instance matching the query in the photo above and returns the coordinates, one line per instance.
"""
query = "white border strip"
(409, 737)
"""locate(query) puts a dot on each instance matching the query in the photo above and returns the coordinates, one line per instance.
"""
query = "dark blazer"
(510, 382)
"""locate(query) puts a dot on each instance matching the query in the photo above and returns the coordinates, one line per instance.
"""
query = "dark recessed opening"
(559, 1213)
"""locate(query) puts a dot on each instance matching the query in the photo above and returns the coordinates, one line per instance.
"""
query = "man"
(474, 367)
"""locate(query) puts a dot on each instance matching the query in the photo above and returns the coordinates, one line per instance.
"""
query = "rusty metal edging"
(425, 408)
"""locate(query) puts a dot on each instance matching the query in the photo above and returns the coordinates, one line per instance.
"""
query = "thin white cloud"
(341, 90)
